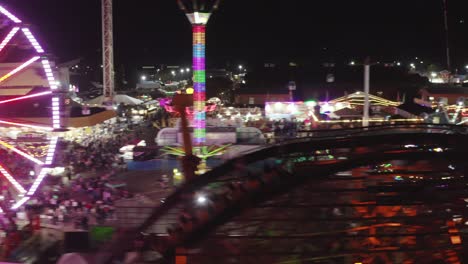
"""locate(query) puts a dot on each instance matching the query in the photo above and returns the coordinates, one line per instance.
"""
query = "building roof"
(347, 112)
(118, 98)
(357, 98)
(90, 120)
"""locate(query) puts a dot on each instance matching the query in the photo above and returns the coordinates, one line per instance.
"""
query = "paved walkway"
(147, 183)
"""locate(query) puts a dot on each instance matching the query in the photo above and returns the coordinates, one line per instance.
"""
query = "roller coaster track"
(231, 195)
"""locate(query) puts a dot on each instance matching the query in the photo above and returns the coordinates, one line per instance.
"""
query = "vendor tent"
(118, 99)
(72, 258)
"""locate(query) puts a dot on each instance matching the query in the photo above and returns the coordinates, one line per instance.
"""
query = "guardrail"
(417, 134)
(342, 132)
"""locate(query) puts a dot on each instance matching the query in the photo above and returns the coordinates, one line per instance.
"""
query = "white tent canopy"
(118, 99)
(72, 258)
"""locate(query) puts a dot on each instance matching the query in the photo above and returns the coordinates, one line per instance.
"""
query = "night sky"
(253, 31)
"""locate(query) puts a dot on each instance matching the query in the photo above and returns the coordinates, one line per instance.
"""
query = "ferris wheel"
(30, 108)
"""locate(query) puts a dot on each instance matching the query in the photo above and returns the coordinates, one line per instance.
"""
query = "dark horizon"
(246, 32)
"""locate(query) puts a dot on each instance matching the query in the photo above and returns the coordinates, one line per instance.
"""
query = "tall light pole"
(447, 40)
(198, 12)
(365, 118)
(107, 50)
(291, 89)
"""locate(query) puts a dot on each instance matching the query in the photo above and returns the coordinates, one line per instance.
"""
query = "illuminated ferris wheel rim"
(17, 28)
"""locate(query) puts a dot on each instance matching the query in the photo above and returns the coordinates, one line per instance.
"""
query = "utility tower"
(447, 36)
(107, 50)
(198, 12)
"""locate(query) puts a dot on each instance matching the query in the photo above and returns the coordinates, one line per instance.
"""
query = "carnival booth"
(290, 110)
(118, 99)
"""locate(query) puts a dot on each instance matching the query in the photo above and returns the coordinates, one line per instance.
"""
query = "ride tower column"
(198, 13)
(199, 84)
(107, 51)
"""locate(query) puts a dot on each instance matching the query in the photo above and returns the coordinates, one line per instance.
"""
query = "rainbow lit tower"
(198, 12)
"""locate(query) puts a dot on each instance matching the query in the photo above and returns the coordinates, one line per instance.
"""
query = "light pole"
(433, 75)
(447, 40)
(182, 71)
(291, 88)
(365, 118)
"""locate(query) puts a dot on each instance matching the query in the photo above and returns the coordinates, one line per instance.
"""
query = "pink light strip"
(25, 125)
(38, 181)
(19, 68)
(49, 74)
(29, 157)
(20, 203)
(12, 180)
(25, 97)
(32, 40)
(9, 15)
(8, 37)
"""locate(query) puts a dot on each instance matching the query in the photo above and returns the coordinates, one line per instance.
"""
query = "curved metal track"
(284, 182)
(363, 147)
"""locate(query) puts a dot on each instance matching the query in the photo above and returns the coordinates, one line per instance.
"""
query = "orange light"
(456, 240)
(181, 259)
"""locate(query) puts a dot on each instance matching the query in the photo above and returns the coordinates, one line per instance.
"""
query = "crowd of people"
(96, 156)
(81, 202)
(86, 193)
